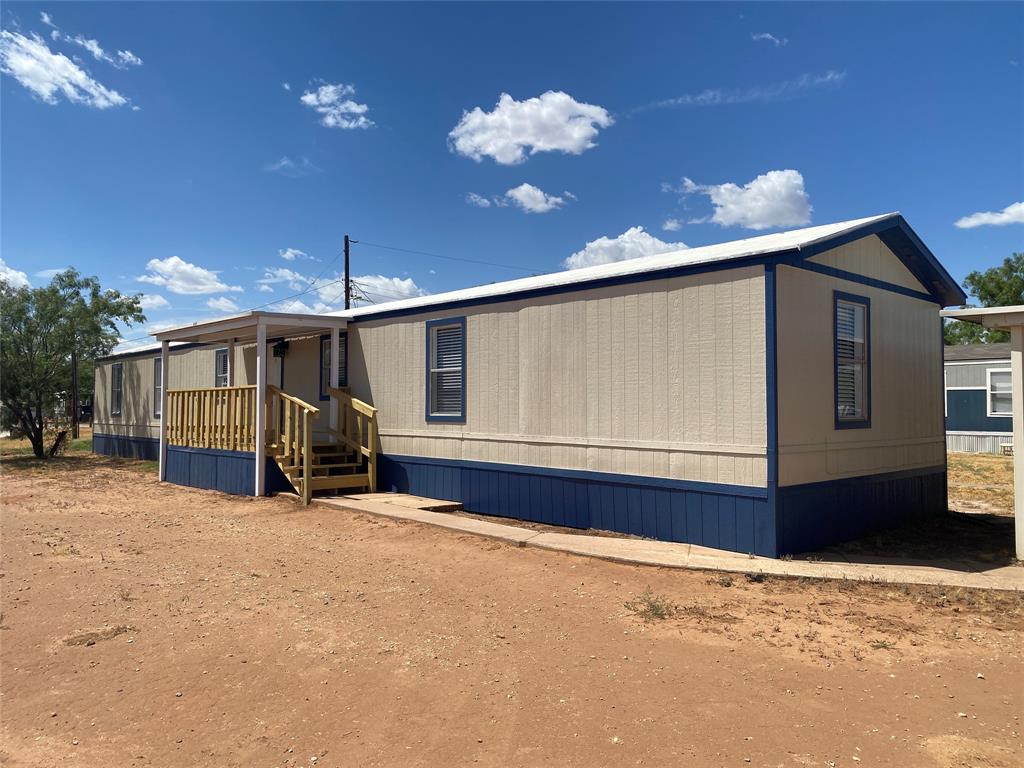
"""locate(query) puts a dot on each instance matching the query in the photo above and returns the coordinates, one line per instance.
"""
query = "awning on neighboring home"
(1008, 319)
(249, 327)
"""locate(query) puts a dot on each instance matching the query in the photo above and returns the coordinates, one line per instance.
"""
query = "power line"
(449, 258)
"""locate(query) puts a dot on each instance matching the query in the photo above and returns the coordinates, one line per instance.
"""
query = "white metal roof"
(706, 254)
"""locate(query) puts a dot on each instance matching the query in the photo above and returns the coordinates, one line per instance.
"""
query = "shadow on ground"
(960, 540)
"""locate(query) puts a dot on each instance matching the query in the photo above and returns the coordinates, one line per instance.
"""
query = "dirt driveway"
(153, 625)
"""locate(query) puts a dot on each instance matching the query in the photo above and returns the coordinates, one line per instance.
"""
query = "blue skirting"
(730, 517)
(126, 447)
(219, 470)
(817, 515)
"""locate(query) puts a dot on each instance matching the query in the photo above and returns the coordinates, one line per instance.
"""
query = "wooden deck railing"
(290, 436)
(357, 428)
(214, 417)
(225, 418)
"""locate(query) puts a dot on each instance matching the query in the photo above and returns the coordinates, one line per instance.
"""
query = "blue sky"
(193, 144)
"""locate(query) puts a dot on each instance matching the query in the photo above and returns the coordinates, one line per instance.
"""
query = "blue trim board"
(219, 470)
(772, 392)
(320, 370)
(147, 448)
(853, 277)
(967, 411)
(817, 515)
(429, 325)
(864, 423)
(784, 520)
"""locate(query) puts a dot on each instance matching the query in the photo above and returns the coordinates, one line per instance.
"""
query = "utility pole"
(348, 284)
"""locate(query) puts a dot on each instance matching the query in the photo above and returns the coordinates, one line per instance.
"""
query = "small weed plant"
(652, 607)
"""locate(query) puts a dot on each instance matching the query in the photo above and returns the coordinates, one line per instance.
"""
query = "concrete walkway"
(672, 555)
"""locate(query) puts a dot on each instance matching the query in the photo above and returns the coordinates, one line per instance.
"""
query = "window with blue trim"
(116, 388)
(852, 361)
(325, 363)
(446, 373)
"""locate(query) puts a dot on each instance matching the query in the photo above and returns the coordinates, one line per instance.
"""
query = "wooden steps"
(333, 468)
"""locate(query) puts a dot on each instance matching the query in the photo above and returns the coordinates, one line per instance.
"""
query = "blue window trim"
(459, 418)
(864, 423)
(157, 361)
(342, 364)
(216, 354)
(120, 394)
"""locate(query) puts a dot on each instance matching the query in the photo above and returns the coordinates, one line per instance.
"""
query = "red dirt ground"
(148, 625)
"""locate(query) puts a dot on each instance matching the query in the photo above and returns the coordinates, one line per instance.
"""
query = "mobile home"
(979, 411)
(768, 395)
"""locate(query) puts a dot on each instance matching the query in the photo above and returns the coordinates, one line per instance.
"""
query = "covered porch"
(256, 437)
(1008, 319)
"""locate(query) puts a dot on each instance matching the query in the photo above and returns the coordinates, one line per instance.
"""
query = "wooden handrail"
(212, 417)
(290, 435)
(357, 428)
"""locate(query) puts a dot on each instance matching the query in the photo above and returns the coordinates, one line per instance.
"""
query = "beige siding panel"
(188, 369)
(907, 429)
(871, 257)
(664, 378)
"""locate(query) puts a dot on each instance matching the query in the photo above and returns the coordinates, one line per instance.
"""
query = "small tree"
(39, 328)
(1001, 286)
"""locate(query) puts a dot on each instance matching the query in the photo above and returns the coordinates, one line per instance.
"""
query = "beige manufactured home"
(768, 395)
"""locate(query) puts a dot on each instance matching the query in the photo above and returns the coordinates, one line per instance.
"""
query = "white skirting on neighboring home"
(977, 442)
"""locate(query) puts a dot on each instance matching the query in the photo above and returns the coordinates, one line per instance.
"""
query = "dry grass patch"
(981, 481)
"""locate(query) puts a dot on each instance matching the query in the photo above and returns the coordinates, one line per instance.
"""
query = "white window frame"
(988, 394)
(227, 373)
(158, 385)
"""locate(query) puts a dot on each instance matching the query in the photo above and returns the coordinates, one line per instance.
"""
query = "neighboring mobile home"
(979, 413)
(769, 395)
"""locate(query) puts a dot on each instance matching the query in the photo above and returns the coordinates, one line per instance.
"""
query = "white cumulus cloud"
(380, 288)
(13, 277)
(631, 244)
(49, 75)
(182, 277)
(154, 301)
(533, 199)
(551, 122)
(336, 110)
(671, 225)
(264, 288)
(222, 304)
(478, 200)
(773, 199)
(278, 275)
(1011, 214)
(291, 254)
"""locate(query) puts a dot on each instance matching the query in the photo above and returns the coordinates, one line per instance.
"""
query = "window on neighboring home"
(116, 388)
(852, 361)
(158, 385)
(446, 373)
(1000, 394)
(221, 369)
(325, 363)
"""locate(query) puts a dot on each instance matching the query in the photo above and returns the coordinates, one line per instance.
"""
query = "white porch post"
(1017, 384)
(261, 407)
(231, 363)
(164, 378)
(335, 367)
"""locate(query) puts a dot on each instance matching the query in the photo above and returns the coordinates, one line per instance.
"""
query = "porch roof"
(243, 327)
